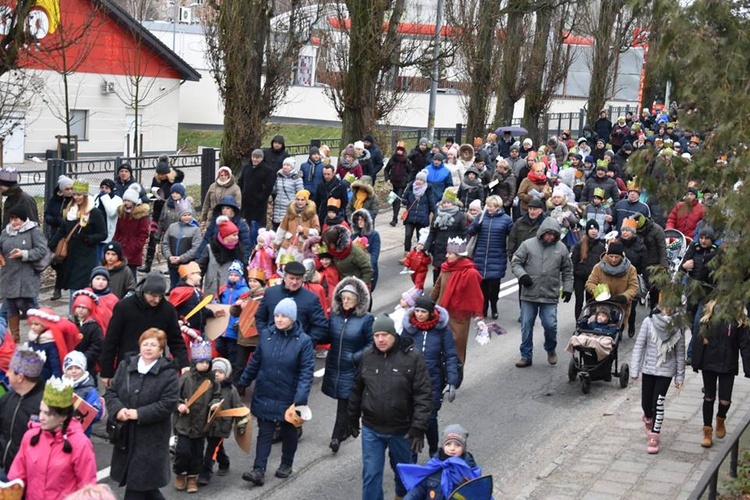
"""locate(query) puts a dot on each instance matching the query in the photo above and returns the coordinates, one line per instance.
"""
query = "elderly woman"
(616, 271)
(449, 222)
(225, 185)
(141, 398)
(533, 186)
(349, 333)
(22, 244)
(491, 229)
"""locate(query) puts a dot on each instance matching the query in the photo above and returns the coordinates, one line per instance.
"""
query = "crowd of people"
(297, 282)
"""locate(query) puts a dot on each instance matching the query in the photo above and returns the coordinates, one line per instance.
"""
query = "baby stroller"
(677, 244)
(594, 349)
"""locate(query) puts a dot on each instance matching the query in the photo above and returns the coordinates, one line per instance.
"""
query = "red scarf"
(462, 296)
(340, 254)
(537, 178)
(425, 325)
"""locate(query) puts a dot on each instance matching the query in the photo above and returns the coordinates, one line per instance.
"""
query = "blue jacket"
(87, 391)
(312, 174)
(246, 238)
(229, 295)
(309, 310)
(419, 212)
(282, 367)
(490, 254)
(437, 347)
(439, 178)
(431, 487)
(349, 335)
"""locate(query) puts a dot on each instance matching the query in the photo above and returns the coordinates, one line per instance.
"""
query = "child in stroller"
(600, 322)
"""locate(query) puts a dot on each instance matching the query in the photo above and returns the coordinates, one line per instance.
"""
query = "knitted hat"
(294, 268)
(75, 358)
(99, 271)
(456, 245)
(64, 182)
(80, 186)
(582, 139)
(126, 166)
(27, 361)
(476, 204)
(591, 223)
(303, 193)
(359, 145)
(257, 153)
(224, 168)
(154, 283)
(528, 142)
(8, 176)
(257, 274)
(424, 233)
(314, 150)
(186, 270)
(599, 193)
(286, 307)
(535, 203)
(349, 288)
(368, 138)
(422, 175)
(222, 365)
(588, 159)
(289, 160)
(615, 248)
(692, 190)
(183, 206)
(109, 183)
(85, 298)
(19, 211)
(349, 151)
(163, 168)
(629, 224)
(200, 351)
(58, 392)
(226, 226)
(114, 246)
(707, 231)
(384, 324)
(515, 147)
(558, 191)
(410, 296)
(235, 267)
(450, 195)
(424, 302)
(131, 194)
(423, 140)
(438, 156)
(455, 433)
(178, 187)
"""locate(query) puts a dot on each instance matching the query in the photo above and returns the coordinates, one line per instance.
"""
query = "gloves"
(566, 296)
(526, 281)
(416, 440)
(450, 390)
(621, 299)
(354, 428)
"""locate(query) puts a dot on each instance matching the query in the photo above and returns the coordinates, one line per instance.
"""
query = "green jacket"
(356, 264)
(193, 423)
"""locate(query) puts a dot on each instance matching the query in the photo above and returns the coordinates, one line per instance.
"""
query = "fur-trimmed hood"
(442, 322)
(308, 247)
(308, 213)
(139, 211)
(363, 296)
(365, 214)
(364, 183)
(343, 237)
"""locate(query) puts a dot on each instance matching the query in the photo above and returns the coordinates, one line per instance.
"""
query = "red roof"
(403, 28)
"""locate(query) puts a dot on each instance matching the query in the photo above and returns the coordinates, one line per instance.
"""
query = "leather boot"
(707, 441)
(180, 482)
(652, 446)
(14, 325)
(192, 484)
(648, 424)
(56, 295)
(721, 431)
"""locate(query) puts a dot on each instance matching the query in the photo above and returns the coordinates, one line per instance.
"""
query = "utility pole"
(435, 73)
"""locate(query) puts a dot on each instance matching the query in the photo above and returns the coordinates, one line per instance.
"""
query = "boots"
(721, 431)
(192, 484)
(14, 325)
(648, 423)
(180, 482)
(706, 442)
(56, 295)
(652, 445)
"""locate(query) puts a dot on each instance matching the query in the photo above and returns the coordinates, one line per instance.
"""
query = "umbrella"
(513, 129)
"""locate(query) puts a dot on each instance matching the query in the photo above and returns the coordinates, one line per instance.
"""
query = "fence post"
(314, 143)
(459, 133)
(208, 170)
(581, 121)
(55, 168)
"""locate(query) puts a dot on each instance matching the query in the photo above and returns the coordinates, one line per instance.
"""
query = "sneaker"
(523, 363)
(255, 476)
(552, 358)
(204, 478)
(284, 471)
(223, 471)
(321, 354)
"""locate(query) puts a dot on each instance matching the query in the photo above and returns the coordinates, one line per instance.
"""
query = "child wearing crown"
(53, 335)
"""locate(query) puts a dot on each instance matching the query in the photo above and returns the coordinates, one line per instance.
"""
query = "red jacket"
(132, 232)
(418, 262)
(47, 471)
(685, 219)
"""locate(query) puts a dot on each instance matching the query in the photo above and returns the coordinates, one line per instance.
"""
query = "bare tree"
(144, 10)
(18, 88)
(15, 36)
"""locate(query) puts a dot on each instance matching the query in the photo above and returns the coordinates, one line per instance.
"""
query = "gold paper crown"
(321, 248)
(80, 186)
(257, 274)
(58, 392)
(633, 185)
(286, 259)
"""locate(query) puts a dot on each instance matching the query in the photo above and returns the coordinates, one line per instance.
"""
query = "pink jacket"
(46, 470)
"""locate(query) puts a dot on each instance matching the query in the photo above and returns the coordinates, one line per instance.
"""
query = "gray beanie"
(384, 324)
(154, 283)
(222, 365)
(454, 432)
(287, 307)
(422, 175)
(64, 182)
(257, 153)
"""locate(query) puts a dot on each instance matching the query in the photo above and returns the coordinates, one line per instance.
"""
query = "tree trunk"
(535, 103)
(508, 90)
(481, 82)
(603, 57)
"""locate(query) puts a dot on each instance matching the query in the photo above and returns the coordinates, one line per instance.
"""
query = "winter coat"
(438, 350)
(625, 283)
(371, 204)
(701, 258)
(439, 178)
(162, 189)
(397, 172)
(47, 470)
(490, 253)
(222, 426)
(216, 193)
(247, 239)
(282, 367)
(345, 167)
(645, 355)
(618, 134)
(19, 279)
(91, 343)
(656, 244)
(215, 263)
(193, 423)
(420, 209)
(307, 220)
(635, 251)
(181, 240)
(256, 184)
(132, 232)
(83, 247)
(284, 190)
(169, 215)
(598, 213)
(392, 391)
(524, 192)
(309, 311)
(312, 174)
(131, 317)
(603, 128)
(108, 205)
(684, 218)
(606, 183)
(505, 187)
(121, 279)
(275, 157)
(431, 487)
(373, 242)
(350, 259)
(349, 335)
(418, 159)
(13, 196)
(718, 345)
(85, 388)
(376, 157)
(548, 265)
(523, 229)
(143, 463)
(333, 189)
(365, 162)
(582, 270)
(624, 209)
(437, 240)
(471, 190)
(15, 413)
(53, 211)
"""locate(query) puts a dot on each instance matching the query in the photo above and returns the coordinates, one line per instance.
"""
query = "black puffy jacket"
(15, 413)
(718, 345)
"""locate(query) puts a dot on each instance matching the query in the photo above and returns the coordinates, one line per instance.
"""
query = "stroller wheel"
(572, 369)
(585, 384)
(624, 376)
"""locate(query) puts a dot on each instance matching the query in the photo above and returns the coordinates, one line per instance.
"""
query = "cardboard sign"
(215, 327)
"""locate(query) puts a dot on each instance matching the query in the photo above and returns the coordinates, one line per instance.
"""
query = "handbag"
(405, 214)
(61, 249)
(471, 245)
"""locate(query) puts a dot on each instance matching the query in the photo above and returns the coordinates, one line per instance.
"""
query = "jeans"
(373, 461)
(548, 314)
(174, 277)
(265, 440)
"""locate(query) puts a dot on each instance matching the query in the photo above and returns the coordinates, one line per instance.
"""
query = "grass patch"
(189, 140)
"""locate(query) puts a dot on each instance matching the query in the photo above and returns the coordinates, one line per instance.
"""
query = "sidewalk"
(607, 459)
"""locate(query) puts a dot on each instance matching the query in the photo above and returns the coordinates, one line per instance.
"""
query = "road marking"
(509, 291)
(102, 474)
(319, 373)
(508, 283)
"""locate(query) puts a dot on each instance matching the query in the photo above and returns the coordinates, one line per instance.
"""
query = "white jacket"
(110, 205)
(645, 355)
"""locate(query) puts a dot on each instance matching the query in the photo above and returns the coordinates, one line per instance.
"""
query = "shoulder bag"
(61, 249)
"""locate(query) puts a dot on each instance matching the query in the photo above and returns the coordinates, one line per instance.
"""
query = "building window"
(79, 123)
